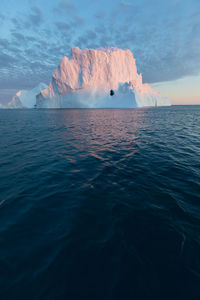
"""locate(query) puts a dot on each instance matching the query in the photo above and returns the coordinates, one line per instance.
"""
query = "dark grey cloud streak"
(164, 37)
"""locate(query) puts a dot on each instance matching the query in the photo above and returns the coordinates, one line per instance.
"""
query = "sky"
(164, 36)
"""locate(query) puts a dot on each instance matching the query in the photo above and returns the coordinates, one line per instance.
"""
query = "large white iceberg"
(87, 78)
(26, 98)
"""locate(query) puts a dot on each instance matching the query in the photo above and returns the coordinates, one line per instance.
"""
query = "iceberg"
(26, 98)
(86, 79)
(2, 106)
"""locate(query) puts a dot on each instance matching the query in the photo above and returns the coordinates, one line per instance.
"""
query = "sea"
(100, 204)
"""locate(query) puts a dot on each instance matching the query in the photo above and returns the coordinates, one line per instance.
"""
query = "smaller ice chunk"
(26, 98)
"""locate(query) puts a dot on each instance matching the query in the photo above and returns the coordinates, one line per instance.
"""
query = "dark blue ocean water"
(100, 204)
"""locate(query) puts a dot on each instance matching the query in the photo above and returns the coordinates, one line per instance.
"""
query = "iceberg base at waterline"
(127, 95)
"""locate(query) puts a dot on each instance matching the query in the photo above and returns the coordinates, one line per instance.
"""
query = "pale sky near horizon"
(182, 91)
(164, 37)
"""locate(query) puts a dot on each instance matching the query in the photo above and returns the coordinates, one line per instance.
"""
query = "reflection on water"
(99, 135)
(100, 204)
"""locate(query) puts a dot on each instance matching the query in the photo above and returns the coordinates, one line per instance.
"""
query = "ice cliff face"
(85, 80)
(26, 98)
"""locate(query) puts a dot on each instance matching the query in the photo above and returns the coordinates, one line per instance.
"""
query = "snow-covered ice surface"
(26, 98)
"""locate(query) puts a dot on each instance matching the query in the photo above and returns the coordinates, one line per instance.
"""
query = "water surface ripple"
(100, 204)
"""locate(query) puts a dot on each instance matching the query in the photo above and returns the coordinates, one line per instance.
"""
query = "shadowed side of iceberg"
(90, 98)
(118, 101)
(131, 94)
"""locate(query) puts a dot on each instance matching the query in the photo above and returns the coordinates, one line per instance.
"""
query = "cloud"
(4, 43)
(100, 15)
(91, 35)
(6, 60)
(126, 5)
(62, 26)
(77, 21)
(66, 4)
(18, 36)
(36, 17)
(18, 24)
(2, 17)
